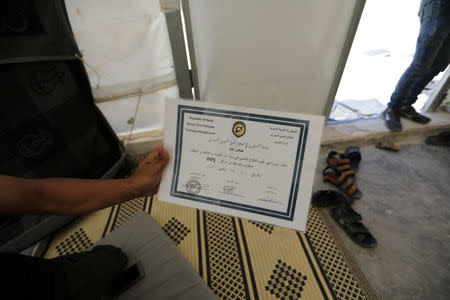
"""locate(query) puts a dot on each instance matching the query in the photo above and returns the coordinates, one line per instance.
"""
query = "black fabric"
(82, 276)
(9, 228)
(91, 275)
(26, 277)
(49, 124)
(50, 127)
(354, 154)
(33, 28)
(442, 139)
(330, 198)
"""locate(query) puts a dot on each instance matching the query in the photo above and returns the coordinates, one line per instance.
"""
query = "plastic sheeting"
(146, 112)
(353, 110)
(280, 55)
(125, 44)
(126, 49)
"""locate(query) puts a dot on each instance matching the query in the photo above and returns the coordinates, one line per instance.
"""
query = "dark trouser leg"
(26, 277)
(432, 37)
(442, 61)
(82, 276)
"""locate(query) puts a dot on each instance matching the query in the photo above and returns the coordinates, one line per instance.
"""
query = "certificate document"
(249, 163)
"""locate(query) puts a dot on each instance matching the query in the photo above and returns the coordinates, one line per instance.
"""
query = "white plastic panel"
(280, 55)
(150, 114)
(118, 113)
(125, 41)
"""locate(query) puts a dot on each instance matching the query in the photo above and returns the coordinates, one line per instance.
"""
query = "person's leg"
(440, 64)
(433, 33)
(431, 37)
(90, 275)
(26, 277)
(82, 276)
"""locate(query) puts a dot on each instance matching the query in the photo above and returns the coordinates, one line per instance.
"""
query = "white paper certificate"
(249, 163)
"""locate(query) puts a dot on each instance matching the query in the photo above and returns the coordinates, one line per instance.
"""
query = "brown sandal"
(339, 161)
(344, 180)
(388, 146)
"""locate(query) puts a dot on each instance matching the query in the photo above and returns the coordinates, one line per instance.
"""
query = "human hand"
(147, 177)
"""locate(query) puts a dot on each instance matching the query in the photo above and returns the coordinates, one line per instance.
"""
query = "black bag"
(49, 124)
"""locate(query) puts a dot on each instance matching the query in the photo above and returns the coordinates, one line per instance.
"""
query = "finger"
(163, 159)
(152, 156)
(163, 154)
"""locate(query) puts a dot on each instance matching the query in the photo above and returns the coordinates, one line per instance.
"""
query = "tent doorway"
(383, 48)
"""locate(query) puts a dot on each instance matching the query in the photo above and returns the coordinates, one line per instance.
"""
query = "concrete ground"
(381, 51)
(406, 207)
(405, 204)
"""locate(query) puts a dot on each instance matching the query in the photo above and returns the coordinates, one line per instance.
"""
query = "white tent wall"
(137, 114)
(128, 57)
(285, 55)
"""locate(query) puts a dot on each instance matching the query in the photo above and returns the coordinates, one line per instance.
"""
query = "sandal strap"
(349, 215)
(344, 167)
(344, 180)
(326, 170)
(335, 161)
(346, 184)
(353, 189)
(358, 228)
(344, 175)
(331, 154)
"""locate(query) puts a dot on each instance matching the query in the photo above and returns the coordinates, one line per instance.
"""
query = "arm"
(65, 196)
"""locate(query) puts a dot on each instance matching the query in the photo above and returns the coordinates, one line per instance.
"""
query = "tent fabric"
(280, 55)
(125, 44)
(127, 53)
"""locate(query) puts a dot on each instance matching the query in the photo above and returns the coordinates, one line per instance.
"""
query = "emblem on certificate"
(239, 129)
(262, 169)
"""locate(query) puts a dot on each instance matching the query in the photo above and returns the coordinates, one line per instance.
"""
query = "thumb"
(163, 155)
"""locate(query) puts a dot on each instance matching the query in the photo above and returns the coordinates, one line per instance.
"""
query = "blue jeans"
(432, 52)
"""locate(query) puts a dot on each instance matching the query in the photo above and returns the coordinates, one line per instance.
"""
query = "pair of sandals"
(442, 139)
(345, 216)
(341, 171)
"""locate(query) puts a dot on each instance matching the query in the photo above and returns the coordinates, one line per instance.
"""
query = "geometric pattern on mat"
(339, 275)
(234, 256)
(76, 242)
(285, 282)
(226, 274)
(266, 227)
(128, 209)
(176, 230)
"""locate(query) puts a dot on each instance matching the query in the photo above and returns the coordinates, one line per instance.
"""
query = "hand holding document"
(249, 163)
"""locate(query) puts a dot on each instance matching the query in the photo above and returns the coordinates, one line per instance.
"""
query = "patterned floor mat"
(237, 258)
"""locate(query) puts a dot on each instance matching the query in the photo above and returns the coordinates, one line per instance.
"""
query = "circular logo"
(239, 129)
(35, 144)
(193, 186)
(44, 82)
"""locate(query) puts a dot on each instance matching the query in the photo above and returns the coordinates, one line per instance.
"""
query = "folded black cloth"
(354, 154)
(330, 198)
(87, 275)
